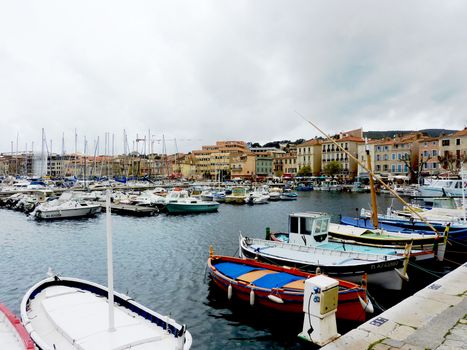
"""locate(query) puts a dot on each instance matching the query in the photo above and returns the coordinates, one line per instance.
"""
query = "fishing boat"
(69, 313)
(309, 249)
(13, 336)
(279, 288)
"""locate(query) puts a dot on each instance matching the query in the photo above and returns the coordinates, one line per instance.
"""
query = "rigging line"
(371, 173)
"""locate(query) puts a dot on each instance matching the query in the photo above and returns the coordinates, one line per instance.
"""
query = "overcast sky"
(201, 71)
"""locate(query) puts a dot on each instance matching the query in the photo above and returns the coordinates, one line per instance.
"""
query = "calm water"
(161, 262)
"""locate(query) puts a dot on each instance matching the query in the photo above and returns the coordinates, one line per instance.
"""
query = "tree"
(332, 168)
(305, 171)
(448, 162)
(414, 170)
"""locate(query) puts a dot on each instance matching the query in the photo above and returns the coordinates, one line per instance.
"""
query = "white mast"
(110, 272)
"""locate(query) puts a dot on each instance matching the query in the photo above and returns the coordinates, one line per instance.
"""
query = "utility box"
(320, 307)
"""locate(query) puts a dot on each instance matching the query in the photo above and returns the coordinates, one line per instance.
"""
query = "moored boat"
(13, 336)
(278, 288)
(69, 313)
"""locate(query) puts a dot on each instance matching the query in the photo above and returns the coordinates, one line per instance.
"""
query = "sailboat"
(69, 313)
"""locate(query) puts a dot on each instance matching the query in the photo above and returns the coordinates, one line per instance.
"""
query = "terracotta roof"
(311, 142)
(460, 133)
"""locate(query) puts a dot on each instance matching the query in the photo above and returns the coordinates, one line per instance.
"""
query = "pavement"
(433, 318)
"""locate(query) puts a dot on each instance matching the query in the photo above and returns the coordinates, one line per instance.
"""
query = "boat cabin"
(308, 228)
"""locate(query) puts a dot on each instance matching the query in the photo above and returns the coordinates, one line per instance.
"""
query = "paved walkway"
(433, 318)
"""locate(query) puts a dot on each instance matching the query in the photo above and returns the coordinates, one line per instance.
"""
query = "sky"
(193, 72)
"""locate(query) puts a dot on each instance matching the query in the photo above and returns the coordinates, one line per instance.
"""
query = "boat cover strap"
(276, 280)
(233, 270)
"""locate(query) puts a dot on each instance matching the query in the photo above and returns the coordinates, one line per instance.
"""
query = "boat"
(378, 238)
(309, 249)
(237, 196)
(191, 205)
(13, 336)
(275, 194)
(278, 288)
(70, 313)
(257, 197)
(65, 208)
(288, 196)
(442, 188)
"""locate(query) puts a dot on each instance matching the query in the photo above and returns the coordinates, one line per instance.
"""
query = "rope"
(373, 300)
(457, 242)
(430, 272)
(453, 262)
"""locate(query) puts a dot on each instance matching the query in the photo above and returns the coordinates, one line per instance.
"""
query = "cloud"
(210, 70)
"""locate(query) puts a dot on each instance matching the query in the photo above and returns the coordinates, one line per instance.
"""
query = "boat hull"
(349, 306)
(381, 272)
(37, 309)
(70, 213)
(180, 208)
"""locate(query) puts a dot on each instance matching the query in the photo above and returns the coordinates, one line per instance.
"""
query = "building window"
(378, 167)
(386, 157)
(458, 142)
(385, 167)
(399, 168)
(393, 168)
(393, 156)
(445, 143)
(435, 165)
(406, 168)
(434, 153)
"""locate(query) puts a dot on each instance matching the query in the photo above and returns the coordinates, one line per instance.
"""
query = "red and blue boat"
(279, 288)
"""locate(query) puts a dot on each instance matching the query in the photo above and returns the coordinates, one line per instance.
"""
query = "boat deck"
(71, 318)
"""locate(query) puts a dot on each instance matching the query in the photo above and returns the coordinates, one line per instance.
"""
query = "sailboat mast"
(372, 186)
(110, 272)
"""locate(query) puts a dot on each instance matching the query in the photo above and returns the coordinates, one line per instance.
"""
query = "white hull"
(70, 314)
(50, 214)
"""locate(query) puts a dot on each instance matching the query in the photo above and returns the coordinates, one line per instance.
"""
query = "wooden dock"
(433, 318)
(133, 210)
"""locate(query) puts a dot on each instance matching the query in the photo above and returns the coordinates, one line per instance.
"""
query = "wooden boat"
(13, 336)
(308, 248)
(70, 313)
(278, 288)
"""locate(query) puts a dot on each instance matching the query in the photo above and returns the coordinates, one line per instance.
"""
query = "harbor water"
(160, 262)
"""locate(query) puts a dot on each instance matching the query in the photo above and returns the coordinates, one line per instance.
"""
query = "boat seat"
(298, 284)
(233, 270)
(254, 275)
(276, 280)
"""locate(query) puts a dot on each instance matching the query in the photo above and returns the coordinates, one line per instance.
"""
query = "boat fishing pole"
(371, 173)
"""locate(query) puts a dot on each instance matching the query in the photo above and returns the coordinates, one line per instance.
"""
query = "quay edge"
(432, 318)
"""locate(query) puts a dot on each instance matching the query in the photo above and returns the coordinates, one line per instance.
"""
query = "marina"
(161, 262)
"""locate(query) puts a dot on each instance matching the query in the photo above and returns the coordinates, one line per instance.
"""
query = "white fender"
(275, 299)
(367, 306)
(252, 297)
(229, 292)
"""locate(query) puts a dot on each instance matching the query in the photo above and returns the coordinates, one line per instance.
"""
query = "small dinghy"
(68, 313)
(279, 288)
(13, 336)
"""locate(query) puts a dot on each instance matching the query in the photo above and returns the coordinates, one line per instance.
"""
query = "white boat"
(308, 249)
(69, 313)
(13, 336)
(257, 197)
(65, 208)
(442, 188)
(238, 195)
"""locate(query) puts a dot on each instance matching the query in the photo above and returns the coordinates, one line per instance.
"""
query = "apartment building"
(243, 166)
(428, 152)
(453, 150)
(398, 156)
(309, 154)
(348, 141)
(362, 157)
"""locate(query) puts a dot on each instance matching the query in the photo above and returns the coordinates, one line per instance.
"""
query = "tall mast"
(110, 273)
(372, 186)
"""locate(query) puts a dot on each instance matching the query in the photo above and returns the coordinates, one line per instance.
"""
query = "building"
(362, 157)
(309, 154)
(243, 166)
(428, 152)
(398, 156)
(264, 167)
(347, 141)
(453, 151)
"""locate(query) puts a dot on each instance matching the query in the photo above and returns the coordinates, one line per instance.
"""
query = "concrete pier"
(433, 318)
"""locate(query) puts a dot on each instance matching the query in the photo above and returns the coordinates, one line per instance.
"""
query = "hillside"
(391, 133)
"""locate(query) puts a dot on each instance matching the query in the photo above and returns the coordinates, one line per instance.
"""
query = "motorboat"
(65, 207)
(237, 196)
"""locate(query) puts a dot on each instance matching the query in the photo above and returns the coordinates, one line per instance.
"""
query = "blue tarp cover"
(276, 280)
(233, 270)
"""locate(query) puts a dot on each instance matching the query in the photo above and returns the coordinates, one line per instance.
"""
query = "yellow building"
(309, 154)
(453, 150)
